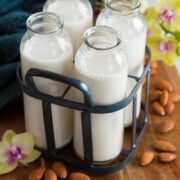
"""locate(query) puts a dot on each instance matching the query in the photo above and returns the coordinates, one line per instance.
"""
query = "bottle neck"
(44, 23)
(123, 7)
(101, 38)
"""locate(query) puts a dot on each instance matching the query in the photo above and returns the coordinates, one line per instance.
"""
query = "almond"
(166, 126)
(144, 81)
(153, 72)
(155, 95)
(174, 97)
(50, 175)
(164, 146)
(164, 98)
(154, 64)
(146, 59)
(158, 108)
(60, 170)
(166, 157)
(79, 176)
(169, 108)
(37, 173)
(146, 158)
(164, 85)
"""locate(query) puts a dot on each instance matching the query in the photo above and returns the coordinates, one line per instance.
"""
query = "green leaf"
(177, 35)
(25, 164)
(31, 157)
(6, 167)
(8, 135)
(178, 50)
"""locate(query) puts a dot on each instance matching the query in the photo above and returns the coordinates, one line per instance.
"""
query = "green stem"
(164, 28)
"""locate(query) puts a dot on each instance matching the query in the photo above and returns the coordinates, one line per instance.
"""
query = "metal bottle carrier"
(86, 108)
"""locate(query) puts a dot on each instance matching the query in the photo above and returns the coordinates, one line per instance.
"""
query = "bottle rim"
(39, 15)
(103, 29)
(131, 9)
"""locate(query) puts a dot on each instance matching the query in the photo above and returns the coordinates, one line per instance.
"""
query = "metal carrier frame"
(86, 108)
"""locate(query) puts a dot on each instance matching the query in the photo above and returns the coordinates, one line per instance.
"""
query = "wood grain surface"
(13, 119)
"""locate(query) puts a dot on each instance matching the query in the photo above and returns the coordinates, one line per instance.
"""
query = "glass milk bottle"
(77, 16)
(47, 46)
(101, 64)
(125, 17)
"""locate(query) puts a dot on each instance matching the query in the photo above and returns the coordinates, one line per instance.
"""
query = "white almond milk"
(105, 73)
(133, 33)
(76, 18)
(45, 53)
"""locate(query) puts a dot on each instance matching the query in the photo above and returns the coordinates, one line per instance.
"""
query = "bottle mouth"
(44, 23)
(123, 6)
(102, 38)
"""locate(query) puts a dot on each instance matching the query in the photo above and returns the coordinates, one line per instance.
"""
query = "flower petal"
(8, 135)
(3, 148)
(160, 4)
(151, 14)
(25, 141)
(6, 167)
(31, 157)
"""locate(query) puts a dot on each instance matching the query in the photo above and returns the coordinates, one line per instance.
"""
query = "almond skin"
(164, 85)
(144, 81)
(79, 176)
(155, 95)
(164, 98)
(146, 158)
(37, 173)
(60, 170)
(146, 59)
(174, 97)
(50, 175)
(164, 146)
(154, 64)
(166, 126)
(158, 108)
(153, 72)
(169, 108)
(166, 157)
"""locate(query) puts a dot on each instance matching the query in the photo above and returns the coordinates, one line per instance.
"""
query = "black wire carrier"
(87, 108)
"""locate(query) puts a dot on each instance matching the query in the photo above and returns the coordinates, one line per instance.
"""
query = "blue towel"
(13, 16)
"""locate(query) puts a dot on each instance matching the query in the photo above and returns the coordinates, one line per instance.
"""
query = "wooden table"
(13, 119)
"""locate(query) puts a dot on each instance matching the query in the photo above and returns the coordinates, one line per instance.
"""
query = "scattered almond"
(50, 175)
(164, 85)
(169, 108)
(79, 176)
(174, 97)
(146, 158)
(37, 173)
(60, 170)
(155, 95)
(154, 64)
(146, 59)
(166, 157)
(164, 98)
(153, 72)
(144, 81)
(164, 146)
(158, 108)
(166, 126)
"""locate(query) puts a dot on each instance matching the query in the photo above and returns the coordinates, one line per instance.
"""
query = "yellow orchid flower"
(153, 28)
(163, 48)
(16, 148)
(169, 13)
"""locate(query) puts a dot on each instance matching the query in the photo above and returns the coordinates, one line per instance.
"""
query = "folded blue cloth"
(13, 16)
